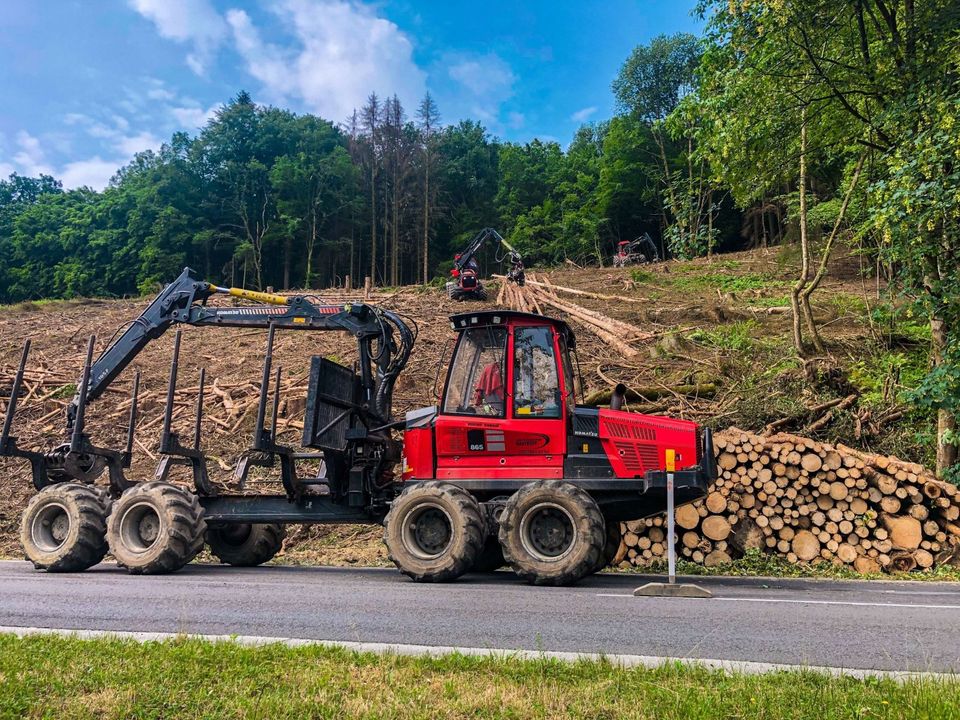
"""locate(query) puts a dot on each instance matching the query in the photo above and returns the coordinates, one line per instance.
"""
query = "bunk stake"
(259, 439)
(276, 404)
(199, 417)
(14, 396)
(76, 441)
(171, 389)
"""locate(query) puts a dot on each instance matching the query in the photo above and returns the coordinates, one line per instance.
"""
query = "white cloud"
(93, 172)
(193, 117)
(130, 145)
(161, 94)
(486, 76)
(31, 158)
(584, 113)
(76, 119)
(195, 22)
(265, 62)
(343, 51)
(116, 134)
(483, 84)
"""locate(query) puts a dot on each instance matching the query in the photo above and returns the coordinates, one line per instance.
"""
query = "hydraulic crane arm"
(463, 259)
(473, 248)
(384, 340)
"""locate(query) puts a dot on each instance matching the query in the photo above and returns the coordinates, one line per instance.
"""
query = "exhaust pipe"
(618, 397)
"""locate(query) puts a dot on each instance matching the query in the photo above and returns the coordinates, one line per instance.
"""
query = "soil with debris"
(716, 324)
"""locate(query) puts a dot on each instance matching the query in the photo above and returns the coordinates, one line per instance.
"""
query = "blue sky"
(86, 84)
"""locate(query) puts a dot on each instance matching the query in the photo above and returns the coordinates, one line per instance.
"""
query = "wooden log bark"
(904, 532)
(805, 545)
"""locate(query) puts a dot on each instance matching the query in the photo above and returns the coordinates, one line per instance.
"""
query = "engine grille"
(637, 457)
(630, 430)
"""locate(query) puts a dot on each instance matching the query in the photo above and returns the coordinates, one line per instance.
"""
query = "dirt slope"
(712, 323)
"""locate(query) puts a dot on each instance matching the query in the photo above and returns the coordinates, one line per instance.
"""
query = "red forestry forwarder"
(508, 469)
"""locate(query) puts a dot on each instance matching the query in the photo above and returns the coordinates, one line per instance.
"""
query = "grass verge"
(43, 676)
(759, 564)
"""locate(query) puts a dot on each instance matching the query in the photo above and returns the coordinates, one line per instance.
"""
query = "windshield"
(475, 383)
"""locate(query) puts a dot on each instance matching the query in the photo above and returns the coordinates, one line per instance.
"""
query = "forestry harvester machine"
(636, 252)
(507, 470)
(466, 283)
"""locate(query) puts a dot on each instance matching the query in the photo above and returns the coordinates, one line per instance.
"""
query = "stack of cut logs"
(810, 502)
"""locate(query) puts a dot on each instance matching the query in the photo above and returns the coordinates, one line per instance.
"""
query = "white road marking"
(626, 661)
(809, 602)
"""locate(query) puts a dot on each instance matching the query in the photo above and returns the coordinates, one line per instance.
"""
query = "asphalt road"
(899, 626)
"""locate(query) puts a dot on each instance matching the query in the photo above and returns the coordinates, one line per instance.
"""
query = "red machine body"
(509, 416)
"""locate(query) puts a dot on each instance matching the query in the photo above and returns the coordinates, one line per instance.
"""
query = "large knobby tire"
(155, 527)
(63, 528)
(246, 544)
(491, 556)
(613, 538)
(460, 295)
(552, 533)
(434, 532)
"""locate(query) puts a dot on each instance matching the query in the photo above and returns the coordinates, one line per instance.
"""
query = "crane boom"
(383, 338)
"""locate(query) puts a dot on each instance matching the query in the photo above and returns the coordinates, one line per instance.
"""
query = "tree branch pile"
(810, 502)
(535, 295)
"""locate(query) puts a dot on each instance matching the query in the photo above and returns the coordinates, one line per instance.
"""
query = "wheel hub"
(548, 532)
(50, 527)
(148, 528)
(428, 531)
(140, 527)
(60, 527)
(432, 531)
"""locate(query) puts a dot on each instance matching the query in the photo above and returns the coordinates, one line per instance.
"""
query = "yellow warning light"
(671, 457)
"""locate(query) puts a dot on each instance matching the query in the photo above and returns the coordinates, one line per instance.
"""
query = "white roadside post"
(671, 521)
(671, 588)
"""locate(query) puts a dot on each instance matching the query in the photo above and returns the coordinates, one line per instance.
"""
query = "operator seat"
(489, 388)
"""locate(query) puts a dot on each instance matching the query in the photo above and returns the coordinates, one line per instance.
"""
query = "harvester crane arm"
(467, 254)
(383, 338)
(463, 259)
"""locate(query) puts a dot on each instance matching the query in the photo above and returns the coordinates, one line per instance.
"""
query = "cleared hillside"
(720, 354)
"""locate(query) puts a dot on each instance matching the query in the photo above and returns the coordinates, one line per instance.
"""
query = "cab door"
(535, 433)
(469, 427)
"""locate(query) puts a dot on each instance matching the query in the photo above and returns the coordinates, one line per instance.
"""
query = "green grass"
(65, 678)
(690, 266)
(687, 282)
(641, 276)
(894, 371)
(768, 301)
(736, 336)
(41, 304)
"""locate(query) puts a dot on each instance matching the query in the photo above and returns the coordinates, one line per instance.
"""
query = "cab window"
(476, 380)
(536, 388)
